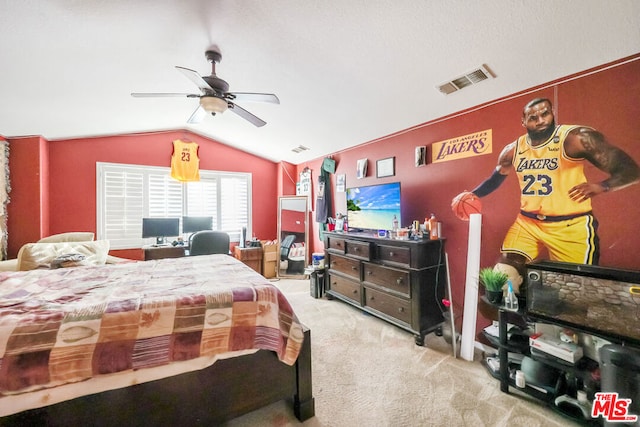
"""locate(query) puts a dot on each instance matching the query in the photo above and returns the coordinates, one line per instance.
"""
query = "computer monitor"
(160, 228)
(192, 224)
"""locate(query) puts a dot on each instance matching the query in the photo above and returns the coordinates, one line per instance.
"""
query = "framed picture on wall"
(341, 181)
(421, 156)
(361, 166)
(386, 167)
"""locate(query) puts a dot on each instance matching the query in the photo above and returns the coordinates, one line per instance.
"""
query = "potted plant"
(493, 281)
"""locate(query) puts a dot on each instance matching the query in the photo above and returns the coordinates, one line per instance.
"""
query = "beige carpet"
(367, 372)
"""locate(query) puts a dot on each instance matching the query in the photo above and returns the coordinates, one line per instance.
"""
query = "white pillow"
(297, 251)
(40, 255)
(9, 265)
(73, 236)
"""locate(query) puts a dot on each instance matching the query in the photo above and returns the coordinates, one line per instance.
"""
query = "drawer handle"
(369, 272)
(391, 253)
(355, 291)
(356, 249)
(354, 268)
(399, 281)
(401, 309)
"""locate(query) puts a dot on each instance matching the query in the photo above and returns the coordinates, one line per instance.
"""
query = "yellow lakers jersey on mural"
(185, 163)
(546, 174)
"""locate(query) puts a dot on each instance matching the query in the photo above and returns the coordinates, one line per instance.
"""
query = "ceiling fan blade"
(195, 77)
(254, 97)
(246, 115)
(197, 116)
(161, 95)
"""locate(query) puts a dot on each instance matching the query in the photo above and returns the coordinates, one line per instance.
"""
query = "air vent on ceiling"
(300, 149)
(478, 75)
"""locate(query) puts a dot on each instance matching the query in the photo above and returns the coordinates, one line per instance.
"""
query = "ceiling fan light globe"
(213, 104)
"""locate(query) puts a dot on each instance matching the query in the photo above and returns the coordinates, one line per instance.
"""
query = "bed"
(182, 341)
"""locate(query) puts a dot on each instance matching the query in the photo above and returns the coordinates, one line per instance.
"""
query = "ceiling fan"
(214, 94)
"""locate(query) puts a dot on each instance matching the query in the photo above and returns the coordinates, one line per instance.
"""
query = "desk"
(159, 252)
(250, 256)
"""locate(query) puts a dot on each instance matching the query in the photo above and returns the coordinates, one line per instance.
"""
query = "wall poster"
(304, 186)
(473, 144)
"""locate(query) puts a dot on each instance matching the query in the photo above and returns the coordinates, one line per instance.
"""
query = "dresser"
(400, 281)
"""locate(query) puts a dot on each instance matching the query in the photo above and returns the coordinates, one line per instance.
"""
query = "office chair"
(285, 246)
(209, 242)
(295, 264)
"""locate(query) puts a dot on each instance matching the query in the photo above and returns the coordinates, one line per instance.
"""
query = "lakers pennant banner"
(473, 144)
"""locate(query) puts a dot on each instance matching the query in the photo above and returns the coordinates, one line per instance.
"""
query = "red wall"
(54, 186)
(606, 99)
(294, 219)
(29, 184)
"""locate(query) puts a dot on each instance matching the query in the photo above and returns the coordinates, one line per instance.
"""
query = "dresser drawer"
(395, 307)
(336, 244)
(159, 252)
(344, 265)
(387, 277)
(395, 254)
(346, 287)
(360, 250)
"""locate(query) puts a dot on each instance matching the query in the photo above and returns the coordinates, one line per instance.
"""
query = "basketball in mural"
(465, 204)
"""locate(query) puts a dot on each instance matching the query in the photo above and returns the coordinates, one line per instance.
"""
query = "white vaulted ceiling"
(346, 71)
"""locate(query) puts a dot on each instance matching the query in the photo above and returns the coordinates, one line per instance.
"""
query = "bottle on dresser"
(433, 227)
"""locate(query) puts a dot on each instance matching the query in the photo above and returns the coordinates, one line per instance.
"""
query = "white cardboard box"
(568, 352)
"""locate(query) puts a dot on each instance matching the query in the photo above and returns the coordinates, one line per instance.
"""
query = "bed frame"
(227, 389)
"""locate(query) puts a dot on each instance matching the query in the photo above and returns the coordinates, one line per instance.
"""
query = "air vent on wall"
(478, 75)
(300, 149)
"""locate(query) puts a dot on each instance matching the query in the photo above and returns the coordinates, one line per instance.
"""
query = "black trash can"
(316, 279)
(620, 373)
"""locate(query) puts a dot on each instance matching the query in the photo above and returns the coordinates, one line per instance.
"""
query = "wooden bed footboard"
(227, 389)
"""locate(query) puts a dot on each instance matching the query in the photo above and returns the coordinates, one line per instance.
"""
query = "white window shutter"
(202, 198)
(121, 205)
(234, 206)
(165, 196)
(128, 193)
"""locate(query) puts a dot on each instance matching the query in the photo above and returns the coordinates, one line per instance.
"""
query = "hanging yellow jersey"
(185, 162)
(546, 174)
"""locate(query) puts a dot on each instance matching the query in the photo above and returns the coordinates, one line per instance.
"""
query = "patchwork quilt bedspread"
(70, 324)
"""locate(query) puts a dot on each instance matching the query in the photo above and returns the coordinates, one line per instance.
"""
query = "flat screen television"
(192, 224)
(373, 207)
(160, 228)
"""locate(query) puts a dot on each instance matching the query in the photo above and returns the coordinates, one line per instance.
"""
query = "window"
(128, 193)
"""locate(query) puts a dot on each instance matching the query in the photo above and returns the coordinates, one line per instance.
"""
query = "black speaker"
(243, 238)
